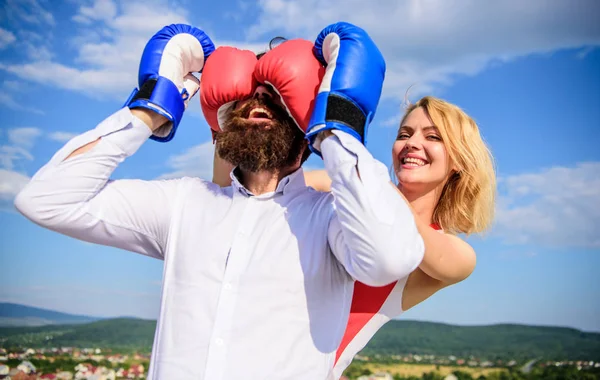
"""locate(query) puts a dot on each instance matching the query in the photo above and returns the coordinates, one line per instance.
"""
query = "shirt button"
(228, 286)
(219, 341)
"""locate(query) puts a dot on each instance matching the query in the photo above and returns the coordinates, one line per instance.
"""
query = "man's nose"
(261, 92)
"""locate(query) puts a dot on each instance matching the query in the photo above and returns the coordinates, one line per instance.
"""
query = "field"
(420, 369)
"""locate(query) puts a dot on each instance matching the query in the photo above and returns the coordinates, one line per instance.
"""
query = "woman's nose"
(413, 143)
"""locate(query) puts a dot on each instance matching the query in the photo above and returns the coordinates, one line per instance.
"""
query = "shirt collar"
(287, 184)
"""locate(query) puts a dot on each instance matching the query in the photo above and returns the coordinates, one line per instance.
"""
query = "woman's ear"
(453, 167)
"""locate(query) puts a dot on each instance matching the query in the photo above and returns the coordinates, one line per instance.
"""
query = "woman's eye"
(434, 137)
(402, 136)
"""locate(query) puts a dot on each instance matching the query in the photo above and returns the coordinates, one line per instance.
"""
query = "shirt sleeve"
(75, 197)
(372, 233)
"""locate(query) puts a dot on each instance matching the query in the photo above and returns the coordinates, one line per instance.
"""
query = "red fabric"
(232, 74)
(227, 76)
(294, 71)
(366, 302)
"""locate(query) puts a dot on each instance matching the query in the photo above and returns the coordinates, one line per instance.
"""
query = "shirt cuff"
(126, 131)
(335, 154)
(343, 149)
(351, 144)
(121, 128)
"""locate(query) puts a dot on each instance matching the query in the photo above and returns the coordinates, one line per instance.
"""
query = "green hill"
(494, 341)
(397, 337)
(121, 333)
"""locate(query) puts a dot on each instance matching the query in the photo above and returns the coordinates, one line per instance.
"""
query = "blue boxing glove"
(351, 88)
(165, 79)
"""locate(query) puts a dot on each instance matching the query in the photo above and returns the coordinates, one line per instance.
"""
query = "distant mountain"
(395, 338)
(12, 314)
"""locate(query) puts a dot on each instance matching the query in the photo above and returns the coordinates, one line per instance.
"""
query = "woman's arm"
(424, 282)
(447, 258)
(221, 171)
(318, 180)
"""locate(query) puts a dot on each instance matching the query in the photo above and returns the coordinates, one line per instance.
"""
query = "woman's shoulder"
(457, 242)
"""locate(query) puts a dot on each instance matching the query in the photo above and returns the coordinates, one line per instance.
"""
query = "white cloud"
(108, 44)
(11, 183)
(392, 121)
(15, 96)
(23, 137)
(37, 52)
(10, 154)
(100, 10)
(108, 54)
(196, 161)
(426, 43)
(257, 47)
(58, 75)
(28, 11)
(35, 45)
(6, 38)
(17, 150)
(557, 207)
(13, 85)
(61, 136)
(20, 142)
(430, 42)
(8, 101)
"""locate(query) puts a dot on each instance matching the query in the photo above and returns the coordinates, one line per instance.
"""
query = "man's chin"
(258, 144)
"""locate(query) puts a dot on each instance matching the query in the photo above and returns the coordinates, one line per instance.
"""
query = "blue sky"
(528, 72)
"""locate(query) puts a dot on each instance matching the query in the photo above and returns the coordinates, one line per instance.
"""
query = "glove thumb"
(191, 85)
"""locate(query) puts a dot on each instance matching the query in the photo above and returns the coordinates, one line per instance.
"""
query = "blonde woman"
(445, 171)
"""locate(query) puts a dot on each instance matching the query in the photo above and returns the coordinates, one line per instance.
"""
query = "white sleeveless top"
(371, 308)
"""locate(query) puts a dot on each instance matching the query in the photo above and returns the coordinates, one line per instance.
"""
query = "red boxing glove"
(295, 73)
(226, 79)
(230, 74)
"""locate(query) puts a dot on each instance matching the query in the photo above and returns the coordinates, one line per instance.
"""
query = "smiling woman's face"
(419, 156)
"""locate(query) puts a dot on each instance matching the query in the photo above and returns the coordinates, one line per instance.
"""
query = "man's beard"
(256, 146)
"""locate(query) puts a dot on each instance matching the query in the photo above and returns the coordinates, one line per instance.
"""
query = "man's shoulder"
(200, 187)
(310, 194)
(315, 201)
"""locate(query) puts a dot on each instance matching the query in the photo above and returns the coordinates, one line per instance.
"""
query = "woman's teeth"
(413, 161)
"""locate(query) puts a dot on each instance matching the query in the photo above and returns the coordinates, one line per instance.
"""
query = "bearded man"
(258, 276)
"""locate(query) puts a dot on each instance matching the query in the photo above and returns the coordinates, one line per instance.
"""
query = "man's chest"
(252, 244)
(268, 264)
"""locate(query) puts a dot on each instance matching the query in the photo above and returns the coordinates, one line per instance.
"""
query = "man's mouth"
(260, 113)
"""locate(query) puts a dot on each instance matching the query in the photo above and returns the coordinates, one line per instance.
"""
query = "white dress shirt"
(254, 287)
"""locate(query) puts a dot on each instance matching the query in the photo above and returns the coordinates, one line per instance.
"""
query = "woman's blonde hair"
(467, 202)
